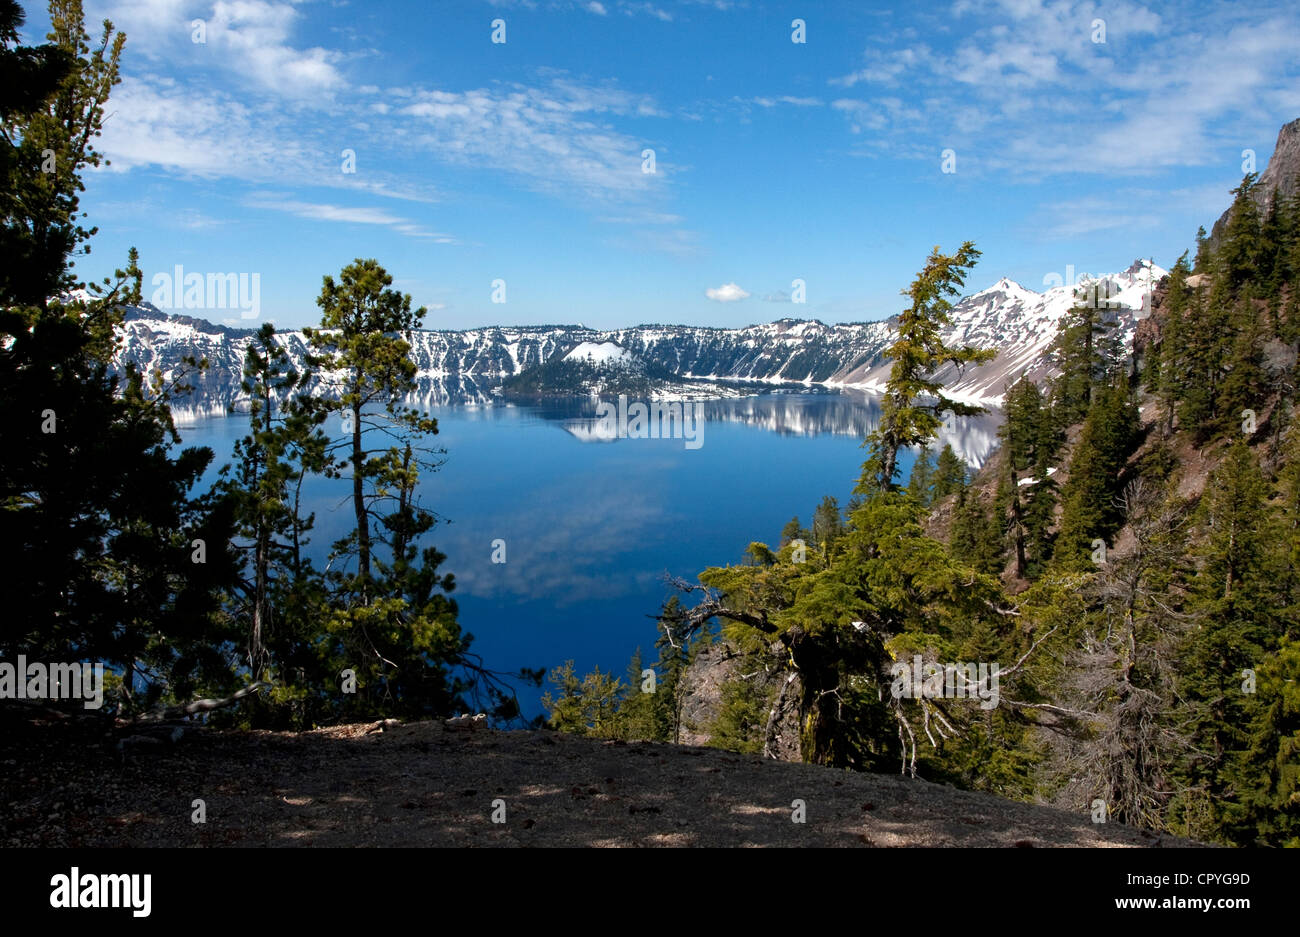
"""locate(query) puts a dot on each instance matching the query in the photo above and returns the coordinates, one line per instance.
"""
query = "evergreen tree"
(1233, 599)
(741, 718)
(118, 561)
(1204, 351)
(949, 474)
(827, 525)
(589, 706)
(1243, 385)
(1270, 777)
(1085, 352)
(52, 103)
(1090, 509)
(637, 712)
(392, 622)
(1238, 256)
(1204, 253)
(361, 337)
(1172, 376)
(976, 536)
(1027, 492)
(792, 531)
(1272, 256)
(921, 481)
(284, 444)
(914, 403)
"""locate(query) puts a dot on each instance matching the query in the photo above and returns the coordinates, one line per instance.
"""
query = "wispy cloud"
(648, 9)
(550, 137)
(1033, 88)
(348, 214)
(788, 99)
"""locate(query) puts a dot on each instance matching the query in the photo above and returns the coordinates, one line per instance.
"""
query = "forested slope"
(1128, 559)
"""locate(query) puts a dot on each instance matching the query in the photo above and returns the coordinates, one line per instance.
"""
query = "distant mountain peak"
(1140, 266)
(1005, 287)
(1008, 284)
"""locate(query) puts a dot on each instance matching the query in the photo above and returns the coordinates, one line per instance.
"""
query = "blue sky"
(774, 160)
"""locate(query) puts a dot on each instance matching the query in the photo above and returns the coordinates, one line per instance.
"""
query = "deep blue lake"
(592, 527)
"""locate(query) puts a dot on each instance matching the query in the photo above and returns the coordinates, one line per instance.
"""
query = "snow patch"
(599, 353)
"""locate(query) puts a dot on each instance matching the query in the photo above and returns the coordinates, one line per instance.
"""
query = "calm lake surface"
(592, 526)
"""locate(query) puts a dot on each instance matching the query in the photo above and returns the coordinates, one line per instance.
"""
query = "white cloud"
(257, 33)
(184, 114)
(727, 293)
(155, 121)
(1159, 92)
(595, 7)
(249, 39)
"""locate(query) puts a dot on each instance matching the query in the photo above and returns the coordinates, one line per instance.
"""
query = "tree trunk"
(359, 506)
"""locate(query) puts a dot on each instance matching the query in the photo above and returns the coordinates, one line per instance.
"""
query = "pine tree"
(741, 717)
(921, 481)
(827, 526)
(567, 711)
(1027, 493)
(1173, 364)
(677, 651)
(1243, 385)
(1238, 256)
(792, 531)
(949, 474)
(283, 446)
(392, 622)
(1273, 256)
(118, 562)
(52, 103)
(1205, 351)
(1232, 596)
(1269, 781)
(637, 712)
(361, 336)
(976, 536)
(589, 706)
(1090, 511)
(914, 403)
(1085, 352)
(1204, 253)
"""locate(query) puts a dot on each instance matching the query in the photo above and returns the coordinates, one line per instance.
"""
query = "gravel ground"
(427, 784)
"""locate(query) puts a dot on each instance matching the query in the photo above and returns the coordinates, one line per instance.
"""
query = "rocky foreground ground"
(428, 784)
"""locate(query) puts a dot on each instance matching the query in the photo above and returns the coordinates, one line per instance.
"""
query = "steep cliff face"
(1280, 178)
(470, 366)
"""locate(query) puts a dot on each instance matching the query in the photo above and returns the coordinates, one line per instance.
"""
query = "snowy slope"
(1021, 324)
(466, 366)
(605, 353)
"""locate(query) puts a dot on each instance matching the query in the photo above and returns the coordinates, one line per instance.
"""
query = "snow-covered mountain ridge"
(468, 366)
